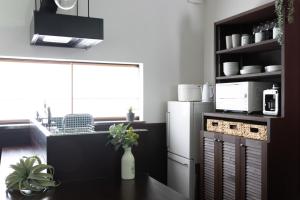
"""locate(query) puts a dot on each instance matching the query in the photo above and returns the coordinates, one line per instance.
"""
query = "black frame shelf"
(250, 76)
(266, 45)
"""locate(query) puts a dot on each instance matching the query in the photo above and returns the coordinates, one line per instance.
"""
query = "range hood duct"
(48, 6)
(51, 29)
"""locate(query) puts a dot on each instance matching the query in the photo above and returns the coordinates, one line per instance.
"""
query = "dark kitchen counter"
(83, 156)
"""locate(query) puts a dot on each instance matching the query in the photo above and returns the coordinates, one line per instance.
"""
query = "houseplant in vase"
(30, 176)
(121, 135)
(130, 115)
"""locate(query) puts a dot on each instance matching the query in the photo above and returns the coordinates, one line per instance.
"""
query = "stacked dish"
(251, 69)
(273, 68)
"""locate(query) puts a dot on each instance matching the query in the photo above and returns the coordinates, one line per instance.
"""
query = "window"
(103, 90)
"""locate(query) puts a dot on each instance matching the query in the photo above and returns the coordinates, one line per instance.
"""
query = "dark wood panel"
(87, 156)
(14, 135)
(209, 168)
(263, 12)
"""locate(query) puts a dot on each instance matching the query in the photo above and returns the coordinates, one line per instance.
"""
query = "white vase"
(127, 164)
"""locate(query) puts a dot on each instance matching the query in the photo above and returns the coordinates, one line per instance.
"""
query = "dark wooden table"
(142, 188)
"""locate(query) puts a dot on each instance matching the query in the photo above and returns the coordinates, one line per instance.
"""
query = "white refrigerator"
(184, 121)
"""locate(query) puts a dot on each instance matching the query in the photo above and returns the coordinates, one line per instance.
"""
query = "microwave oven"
(241, 96)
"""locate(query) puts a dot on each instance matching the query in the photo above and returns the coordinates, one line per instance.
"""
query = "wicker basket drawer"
(233, 128)
(214, 125)
(257, 132)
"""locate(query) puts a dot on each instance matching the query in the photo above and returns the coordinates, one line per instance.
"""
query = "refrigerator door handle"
(168, 129)
(184, 164)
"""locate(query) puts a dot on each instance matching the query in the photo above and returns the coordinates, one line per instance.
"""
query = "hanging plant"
(281, 8)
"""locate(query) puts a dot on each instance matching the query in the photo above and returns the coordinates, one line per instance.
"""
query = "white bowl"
(230, 68)
(251, 67)
(273, 68)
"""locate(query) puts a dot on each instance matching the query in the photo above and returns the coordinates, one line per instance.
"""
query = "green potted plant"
(124, 135)
(284, 10)
(30, 176)
(130, 115)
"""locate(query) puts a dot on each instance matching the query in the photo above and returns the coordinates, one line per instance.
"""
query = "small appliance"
(271, 101)
(207, 93)
(189, 92)
(241, 96)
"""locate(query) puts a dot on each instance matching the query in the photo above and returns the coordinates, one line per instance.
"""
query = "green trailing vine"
(281, 8)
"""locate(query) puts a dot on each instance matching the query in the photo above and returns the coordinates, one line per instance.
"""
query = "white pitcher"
(207, 93)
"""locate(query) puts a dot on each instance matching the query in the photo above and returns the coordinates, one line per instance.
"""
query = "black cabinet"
(232, 168)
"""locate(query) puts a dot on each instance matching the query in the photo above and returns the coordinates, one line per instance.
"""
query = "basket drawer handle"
(233, 126)
(215, 123)
(254, 130)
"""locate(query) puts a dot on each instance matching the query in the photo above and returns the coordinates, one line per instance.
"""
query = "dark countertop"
(142, 188)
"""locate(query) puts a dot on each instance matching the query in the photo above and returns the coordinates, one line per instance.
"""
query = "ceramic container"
(259, 36)
(230, 68)
(228, 42)
(127, 164)
(245, 39)
(236, 40)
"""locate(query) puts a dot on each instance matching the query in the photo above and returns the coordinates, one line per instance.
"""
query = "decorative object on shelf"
(124, 135)
(281, 9)
(228, 39)
(30, 176)
(245, 39)
(66, 4)
(130, 115)
(259, 36)
(230, 68)
(236, 40)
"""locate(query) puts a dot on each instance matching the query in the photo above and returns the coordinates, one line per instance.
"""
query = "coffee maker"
(271, 101)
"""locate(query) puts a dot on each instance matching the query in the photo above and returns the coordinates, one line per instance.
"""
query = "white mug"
(228, 42)
(259, 36)
(245, 39)
(236, 40)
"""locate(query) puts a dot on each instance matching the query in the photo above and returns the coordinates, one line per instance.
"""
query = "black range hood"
(50, 29)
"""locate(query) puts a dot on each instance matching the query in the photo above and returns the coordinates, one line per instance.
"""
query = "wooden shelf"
(250, 76)
(255, 47)
(242, 116)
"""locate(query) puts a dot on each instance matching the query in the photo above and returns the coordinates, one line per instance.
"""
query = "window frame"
(83, 62)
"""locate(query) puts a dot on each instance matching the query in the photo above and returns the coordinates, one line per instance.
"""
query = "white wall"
(165, 35)
(216, 10)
